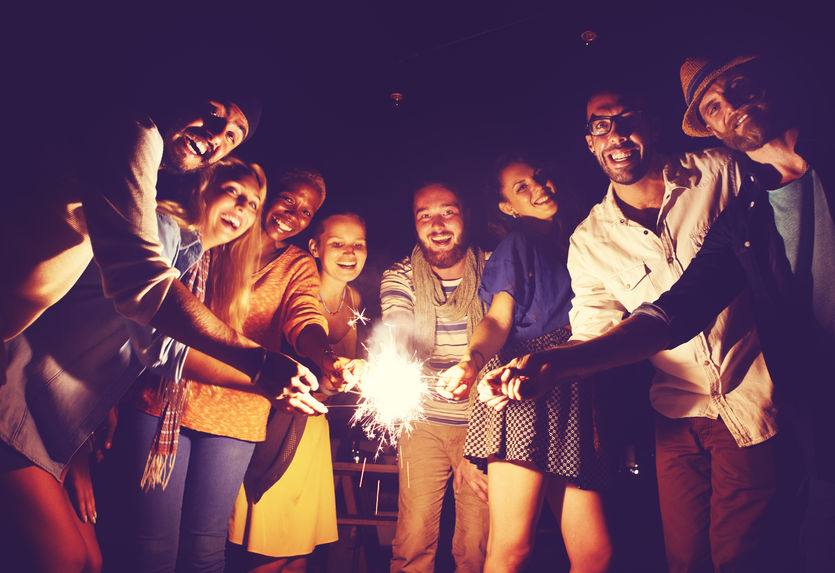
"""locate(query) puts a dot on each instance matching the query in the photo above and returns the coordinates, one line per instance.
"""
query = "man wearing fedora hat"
(715, 416)
(778, 239)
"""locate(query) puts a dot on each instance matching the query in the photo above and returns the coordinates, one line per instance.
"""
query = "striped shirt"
(397, 295)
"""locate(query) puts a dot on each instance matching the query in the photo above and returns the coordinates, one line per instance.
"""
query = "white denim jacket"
(616, 265)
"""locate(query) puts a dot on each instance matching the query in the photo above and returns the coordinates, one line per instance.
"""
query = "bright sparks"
(359, 316)
(391, 391)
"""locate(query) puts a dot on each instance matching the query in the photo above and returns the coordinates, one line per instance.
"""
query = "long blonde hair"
(233, 264)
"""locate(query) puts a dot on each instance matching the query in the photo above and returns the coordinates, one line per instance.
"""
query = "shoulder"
(401, 269)
(598, 216)
(712, 161)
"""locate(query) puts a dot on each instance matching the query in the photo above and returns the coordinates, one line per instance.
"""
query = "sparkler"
(391, 391)
(359, 316)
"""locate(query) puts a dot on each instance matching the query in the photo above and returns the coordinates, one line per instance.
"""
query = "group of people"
(182, 312)
(714, 265)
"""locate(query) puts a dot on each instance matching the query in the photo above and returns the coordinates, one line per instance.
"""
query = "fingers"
(303, 403)
(479, 484)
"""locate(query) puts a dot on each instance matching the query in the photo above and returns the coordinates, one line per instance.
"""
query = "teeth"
(232, 219)
(347, 265)
(741, 120)
(621, 155)
(282, 225)
(199, 147)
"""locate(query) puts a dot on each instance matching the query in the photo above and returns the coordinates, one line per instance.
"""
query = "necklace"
(341, 302)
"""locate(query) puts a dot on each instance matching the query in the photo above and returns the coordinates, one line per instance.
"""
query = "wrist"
(260, 360)
(477, 358)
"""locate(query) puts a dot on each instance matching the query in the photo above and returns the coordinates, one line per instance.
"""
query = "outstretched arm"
(634, 339)
(488, 337)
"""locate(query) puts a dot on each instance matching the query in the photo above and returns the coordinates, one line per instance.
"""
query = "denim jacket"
(69, 368)
(743, 248)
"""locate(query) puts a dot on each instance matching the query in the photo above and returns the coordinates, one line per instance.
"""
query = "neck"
(647, 192)
(780, 154)
(269, 249)
(330, 288)
(456, 271)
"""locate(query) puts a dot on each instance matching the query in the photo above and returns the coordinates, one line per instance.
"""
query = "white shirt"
(616, 264)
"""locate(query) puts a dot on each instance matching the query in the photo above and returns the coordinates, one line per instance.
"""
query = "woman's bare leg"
(515, 492)
(584, 531)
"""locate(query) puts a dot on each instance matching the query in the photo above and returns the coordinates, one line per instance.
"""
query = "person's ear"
(589, 141)
(313, 248)
(505, 208)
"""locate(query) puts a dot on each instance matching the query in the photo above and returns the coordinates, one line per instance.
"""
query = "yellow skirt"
(299, 511)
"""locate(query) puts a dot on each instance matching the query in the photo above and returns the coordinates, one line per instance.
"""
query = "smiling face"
(290, 212)
(625, 152)
(203, 136)
(341, 247)
(526, 194)
(736, 110)
(439, 222)
(230, 210)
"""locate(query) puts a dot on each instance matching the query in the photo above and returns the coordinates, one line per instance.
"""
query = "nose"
(437, 222)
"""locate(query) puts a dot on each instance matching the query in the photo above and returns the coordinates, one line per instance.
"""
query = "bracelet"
(473, 355)
(257, 378)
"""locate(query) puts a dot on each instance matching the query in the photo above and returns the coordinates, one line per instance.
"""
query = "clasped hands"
(524, 378)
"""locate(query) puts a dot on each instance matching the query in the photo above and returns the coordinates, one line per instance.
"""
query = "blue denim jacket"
(69, 368)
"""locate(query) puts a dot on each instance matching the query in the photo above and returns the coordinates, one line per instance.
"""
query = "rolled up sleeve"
(119, 202)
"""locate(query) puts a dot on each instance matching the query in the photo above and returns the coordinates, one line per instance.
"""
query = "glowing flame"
(391, 391)
(359, 316)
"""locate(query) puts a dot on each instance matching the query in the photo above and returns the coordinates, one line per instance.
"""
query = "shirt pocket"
(633, 286)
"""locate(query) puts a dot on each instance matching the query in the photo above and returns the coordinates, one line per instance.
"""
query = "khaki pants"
(428, 456)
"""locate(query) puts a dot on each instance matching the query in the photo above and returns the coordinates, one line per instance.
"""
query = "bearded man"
(432, 297)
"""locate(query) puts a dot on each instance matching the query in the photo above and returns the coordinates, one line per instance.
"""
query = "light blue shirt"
(69, 368)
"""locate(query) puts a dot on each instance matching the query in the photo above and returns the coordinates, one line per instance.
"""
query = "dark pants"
(717, 499)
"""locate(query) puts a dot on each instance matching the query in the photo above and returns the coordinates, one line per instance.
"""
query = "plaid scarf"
(173, 394)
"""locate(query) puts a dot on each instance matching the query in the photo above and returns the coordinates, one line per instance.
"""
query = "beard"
(628, 176)
(444, 259)
(757, 131)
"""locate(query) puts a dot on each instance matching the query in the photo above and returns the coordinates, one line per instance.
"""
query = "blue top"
(529, 266)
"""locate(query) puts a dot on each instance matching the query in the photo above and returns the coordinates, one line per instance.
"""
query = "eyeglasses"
(627, 122)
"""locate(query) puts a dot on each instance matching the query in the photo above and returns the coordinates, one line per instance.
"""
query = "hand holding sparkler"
(289, 383)
(523, 378)
(456, 381)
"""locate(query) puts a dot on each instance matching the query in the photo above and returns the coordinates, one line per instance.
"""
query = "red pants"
(716, 498)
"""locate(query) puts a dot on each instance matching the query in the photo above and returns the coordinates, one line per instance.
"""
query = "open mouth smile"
(623, 155)
(198, 146)
(232, 220)
(444, 240)
(281, 225)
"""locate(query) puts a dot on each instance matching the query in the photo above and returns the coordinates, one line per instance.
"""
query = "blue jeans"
(186, 523)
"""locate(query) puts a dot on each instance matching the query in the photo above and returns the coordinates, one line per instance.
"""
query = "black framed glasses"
(627, 122)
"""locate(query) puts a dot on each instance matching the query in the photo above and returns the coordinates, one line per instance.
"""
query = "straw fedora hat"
(696, 75)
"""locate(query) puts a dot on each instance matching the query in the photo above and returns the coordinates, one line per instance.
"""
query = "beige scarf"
(430, 301)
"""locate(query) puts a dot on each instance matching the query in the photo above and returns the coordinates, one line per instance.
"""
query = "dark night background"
(478, 79)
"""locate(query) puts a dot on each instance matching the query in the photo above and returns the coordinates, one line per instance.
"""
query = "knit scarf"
(431, 302)
(173, 394)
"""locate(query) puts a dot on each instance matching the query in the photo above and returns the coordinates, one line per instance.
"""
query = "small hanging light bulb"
(397, 98)
(588, 37)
